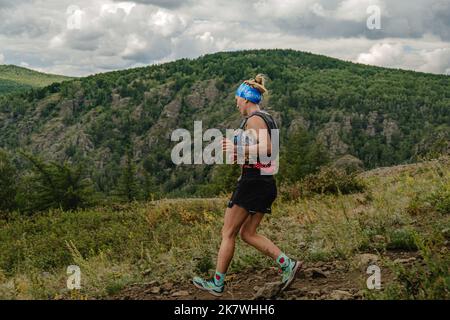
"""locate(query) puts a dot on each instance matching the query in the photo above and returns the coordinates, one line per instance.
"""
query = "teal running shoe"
(209, 286)
(288, 273)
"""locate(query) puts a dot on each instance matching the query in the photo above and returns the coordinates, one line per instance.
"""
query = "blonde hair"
(258, 83)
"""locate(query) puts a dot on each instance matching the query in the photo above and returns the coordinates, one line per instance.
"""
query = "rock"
(298, 124)
(154, 290)
(372, 119)
(328, 267)
(182, 293)
(314, 293)
(166, 122)
(256, 288)
(329, 137)
(365, 259)
(269, 291)
(167, 286)
(390, 127)
(315, 273)
(318, 264)
(302, 291)
(340, 295)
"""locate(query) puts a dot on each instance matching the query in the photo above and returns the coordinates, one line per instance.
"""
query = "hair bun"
(258, 83)
(260, 79)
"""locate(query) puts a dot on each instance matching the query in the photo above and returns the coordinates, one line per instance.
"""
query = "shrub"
(440, 199)
(334, 181)
(436, 201)
(204, 264)
(427, 279)
(328, 180)
(402, 239)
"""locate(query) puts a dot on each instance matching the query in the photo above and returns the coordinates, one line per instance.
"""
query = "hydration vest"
(268, 119)
(271, 125)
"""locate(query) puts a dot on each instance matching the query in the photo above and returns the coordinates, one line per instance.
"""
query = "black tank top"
(254, 170)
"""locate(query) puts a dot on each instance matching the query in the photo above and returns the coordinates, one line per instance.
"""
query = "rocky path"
(336, 280)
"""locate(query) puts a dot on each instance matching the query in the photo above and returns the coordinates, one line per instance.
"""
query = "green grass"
(14, 78)
(175, 239)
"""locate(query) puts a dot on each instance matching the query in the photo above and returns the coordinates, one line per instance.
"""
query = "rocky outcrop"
(371, 121)
(203, 93)
(167, 121)
(298, 124)
(390, 127)
(330, 138)
(386, 126)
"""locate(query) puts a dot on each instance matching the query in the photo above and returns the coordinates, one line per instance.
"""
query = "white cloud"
(384, 54)
(356, 10)
(2, 58)
(135, 45)
(282, 8)
(166, 23)
(429, 58)
(122, 34)
(435, 61)
(111, 8)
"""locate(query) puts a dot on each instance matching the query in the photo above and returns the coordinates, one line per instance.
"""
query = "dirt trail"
(337, 280)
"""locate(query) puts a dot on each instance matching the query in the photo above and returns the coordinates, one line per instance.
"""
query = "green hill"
(14, 78)
(119, 123)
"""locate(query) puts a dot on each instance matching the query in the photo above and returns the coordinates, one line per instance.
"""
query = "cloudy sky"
(90, 36)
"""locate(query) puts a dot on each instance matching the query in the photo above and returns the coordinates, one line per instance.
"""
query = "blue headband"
(249, 93)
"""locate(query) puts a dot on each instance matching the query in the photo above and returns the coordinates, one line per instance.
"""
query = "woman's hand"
(228, 146)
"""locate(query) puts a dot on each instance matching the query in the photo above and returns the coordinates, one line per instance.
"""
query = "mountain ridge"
(381, 116)
(15, 78)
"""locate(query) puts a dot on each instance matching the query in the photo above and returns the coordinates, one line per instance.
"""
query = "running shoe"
(288, 273)
(208, 285)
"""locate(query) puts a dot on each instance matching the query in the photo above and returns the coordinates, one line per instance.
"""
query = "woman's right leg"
(234, 218)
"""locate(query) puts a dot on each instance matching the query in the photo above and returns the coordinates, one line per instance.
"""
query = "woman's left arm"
(258, 128)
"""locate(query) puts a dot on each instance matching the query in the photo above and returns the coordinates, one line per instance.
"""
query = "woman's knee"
(229, 233)
(246, 235)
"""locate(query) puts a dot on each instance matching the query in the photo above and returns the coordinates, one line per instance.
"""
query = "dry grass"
(175, 239)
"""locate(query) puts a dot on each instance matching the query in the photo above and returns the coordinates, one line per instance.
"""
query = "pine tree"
(8, 182)
(57, 185)
(128, 187)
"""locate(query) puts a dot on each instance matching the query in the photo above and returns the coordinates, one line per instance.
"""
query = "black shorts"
(255, 195)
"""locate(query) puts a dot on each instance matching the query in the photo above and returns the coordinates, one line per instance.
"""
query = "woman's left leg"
(249, 235)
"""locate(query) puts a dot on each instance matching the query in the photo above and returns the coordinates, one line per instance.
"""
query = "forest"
(106, 137)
